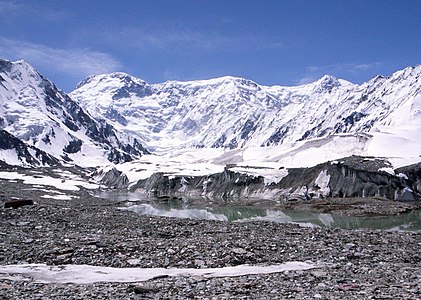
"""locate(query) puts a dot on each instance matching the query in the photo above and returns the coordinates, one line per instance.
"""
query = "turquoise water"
(226, 211)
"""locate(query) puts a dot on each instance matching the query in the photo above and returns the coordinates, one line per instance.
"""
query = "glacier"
(139, 135)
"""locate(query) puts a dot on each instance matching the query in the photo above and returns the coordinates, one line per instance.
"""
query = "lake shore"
(358, 207)
(354, 264)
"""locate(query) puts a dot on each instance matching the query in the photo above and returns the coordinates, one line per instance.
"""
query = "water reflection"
(408, 222)
(200, 214)
(205, 210)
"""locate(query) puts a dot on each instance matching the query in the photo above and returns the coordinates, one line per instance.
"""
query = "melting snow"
(70, 183)
(86, 274)
(58, 197)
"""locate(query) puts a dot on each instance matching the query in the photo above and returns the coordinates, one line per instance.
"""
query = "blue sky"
(271, 42)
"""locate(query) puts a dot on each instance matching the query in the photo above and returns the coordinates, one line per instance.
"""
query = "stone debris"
(357, 264)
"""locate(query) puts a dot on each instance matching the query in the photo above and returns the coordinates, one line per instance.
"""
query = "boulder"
(17, 203)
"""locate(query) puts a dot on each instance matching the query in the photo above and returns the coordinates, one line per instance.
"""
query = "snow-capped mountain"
(234, 112)
(37, 118)
(310, 140)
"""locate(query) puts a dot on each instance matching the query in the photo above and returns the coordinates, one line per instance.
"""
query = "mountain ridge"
(235, 112)
(117, 116)
(267, 142)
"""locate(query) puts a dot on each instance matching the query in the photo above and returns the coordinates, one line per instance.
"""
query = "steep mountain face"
(233, 112)
(46, 120)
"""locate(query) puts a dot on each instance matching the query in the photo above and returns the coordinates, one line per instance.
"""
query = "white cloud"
(7, 6)
(171, 39)
(31, 8)
(75, 62)
(352, 67)
(306, 80)
(313, 73)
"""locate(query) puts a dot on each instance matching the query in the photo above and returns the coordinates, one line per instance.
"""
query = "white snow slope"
(236, 113)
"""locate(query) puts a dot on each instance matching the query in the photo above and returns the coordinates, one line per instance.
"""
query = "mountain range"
(233, 112)
(117, 118)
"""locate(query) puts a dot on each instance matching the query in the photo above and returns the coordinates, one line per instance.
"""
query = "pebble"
(355, 264)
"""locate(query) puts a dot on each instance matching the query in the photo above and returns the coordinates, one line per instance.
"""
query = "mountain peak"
(35, 112)
(119, 78)
(327, 83)
(118, 84)
(21, 66)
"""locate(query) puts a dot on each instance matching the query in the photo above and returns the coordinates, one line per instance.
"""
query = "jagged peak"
(408, 71)
(7, 65)
(328, 79)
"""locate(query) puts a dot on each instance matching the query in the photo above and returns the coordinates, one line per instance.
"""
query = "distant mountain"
(233, 112)
(109, 117)
(41, 125)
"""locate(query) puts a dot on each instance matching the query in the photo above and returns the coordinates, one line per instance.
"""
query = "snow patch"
(72, 184)
(10, 156)
(322, 181)
(58, 197)
(387, 170)
(86, 274)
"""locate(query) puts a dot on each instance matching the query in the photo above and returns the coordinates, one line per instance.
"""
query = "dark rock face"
(356, 177)
(39, 157)
(412, 174)
(112, 178)
(114, 115)
(278, 136)
(347, 123)
(73, 146)
(349, 177)
(227, 184)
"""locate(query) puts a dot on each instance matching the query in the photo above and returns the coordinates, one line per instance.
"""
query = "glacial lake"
(266, 211)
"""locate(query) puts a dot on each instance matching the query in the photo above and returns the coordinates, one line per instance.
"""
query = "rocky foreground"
(354, 264)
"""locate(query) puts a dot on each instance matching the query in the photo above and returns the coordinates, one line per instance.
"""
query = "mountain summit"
(34, 111)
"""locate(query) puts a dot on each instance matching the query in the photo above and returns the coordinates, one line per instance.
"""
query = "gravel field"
(355, 264)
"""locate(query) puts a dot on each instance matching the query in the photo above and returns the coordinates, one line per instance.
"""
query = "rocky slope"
(355, 264)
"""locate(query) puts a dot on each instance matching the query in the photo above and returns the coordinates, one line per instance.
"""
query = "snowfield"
(398, 145)
(68, 182)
